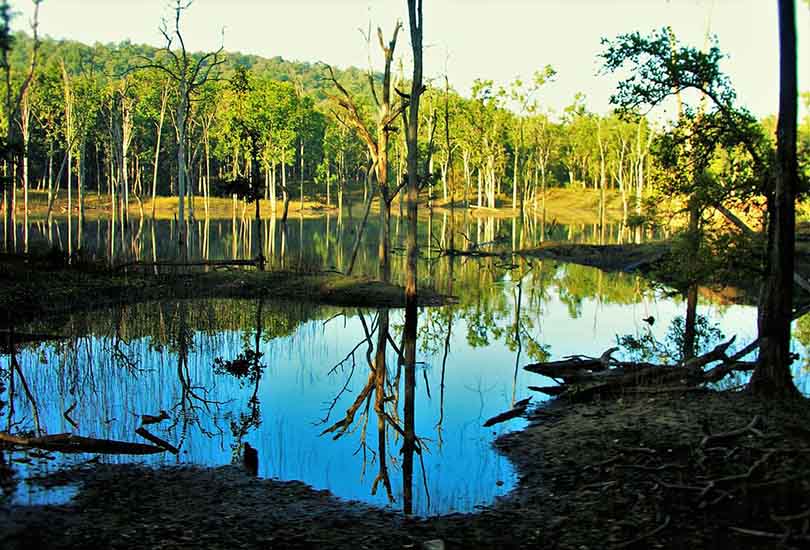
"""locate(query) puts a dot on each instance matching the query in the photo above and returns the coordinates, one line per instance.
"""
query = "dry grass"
(166, 207)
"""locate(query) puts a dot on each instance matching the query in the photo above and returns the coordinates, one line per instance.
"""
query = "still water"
(304, 366)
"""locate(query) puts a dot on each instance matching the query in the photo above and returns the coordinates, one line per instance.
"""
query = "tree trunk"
(772, 374)
(25, 113)
(163, 102)
(409, 440)
(284, 191)
(182, 108)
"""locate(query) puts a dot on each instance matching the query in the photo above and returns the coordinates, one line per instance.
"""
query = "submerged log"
(156, 440)
(518, 410)
(69, 443)
(553, 391)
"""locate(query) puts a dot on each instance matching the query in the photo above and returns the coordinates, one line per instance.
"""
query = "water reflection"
(221, 376)
(339, 242)
(168, 362)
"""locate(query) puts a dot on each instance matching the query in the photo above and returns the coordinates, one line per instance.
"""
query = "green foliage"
(644, 346)
(714, 259)
(660, 67)
(246, 366)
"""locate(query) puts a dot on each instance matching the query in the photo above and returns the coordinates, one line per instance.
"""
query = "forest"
(254, 302)
(93, 124)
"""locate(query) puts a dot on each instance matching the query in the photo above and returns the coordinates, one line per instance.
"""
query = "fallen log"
(514, 412)
(616, 380)
(474, 253)
(156, 440)
(573, 366)
(205, 263)
(68, 443)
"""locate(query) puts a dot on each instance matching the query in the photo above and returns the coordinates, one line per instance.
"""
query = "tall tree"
(189, 74)
(772, 375)
(412, 250)
(14, 149)
(661, 71)
(388, 110)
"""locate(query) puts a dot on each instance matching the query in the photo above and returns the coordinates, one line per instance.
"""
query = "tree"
(377, 143)
(409, 444)
(662, 69)
(772, 376)
(248, 129)
(522, 94)
(189, 73)
(15, 149)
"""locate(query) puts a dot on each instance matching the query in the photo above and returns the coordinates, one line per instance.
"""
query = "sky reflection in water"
(119, 364)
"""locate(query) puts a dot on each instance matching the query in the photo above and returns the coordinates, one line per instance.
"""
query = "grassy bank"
(566, 206)
(166, 208)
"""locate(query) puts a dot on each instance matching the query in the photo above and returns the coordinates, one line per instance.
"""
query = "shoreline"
(589, 477)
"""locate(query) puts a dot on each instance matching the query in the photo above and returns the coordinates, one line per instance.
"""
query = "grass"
(566, 206)
(165, 207)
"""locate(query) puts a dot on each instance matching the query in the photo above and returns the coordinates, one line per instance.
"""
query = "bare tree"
(409, 441)
(189, 73)
(388, 110)
(15, 151)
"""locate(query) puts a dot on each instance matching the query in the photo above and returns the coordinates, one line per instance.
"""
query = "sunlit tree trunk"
(25, 117)
(164, 100)
(284, 191)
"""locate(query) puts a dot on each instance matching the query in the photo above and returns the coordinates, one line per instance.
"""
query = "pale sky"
(488, 39)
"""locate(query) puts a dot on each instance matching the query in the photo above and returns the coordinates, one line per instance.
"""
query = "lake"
(278, 375)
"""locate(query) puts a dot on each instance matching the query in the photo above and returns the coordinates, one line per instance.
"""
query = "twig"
(661, 468)
(767, 535)
(793, 517)
(644, 536)
(156, 440)
(66, 414)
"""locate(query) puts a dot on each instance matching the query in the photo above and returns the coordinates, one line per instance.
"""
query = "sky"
(467, 39)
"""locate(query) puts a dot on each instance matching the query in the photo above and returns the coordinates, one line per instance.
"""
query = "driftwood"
(574, 366)
(69, 443)
(156, 440)
(517, 410)
(585, 379)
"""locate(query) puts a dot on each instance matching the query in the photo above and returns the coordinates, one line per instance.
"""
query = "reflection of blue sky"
(462, 470)
(294, 392)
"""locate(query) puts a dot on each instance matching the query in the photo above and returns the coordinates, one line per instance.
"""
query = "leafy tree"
(661, 68)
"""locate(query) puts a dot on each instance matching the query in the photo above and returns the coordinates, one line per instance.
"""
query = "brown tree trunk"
(409, 442)
(772, 375)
